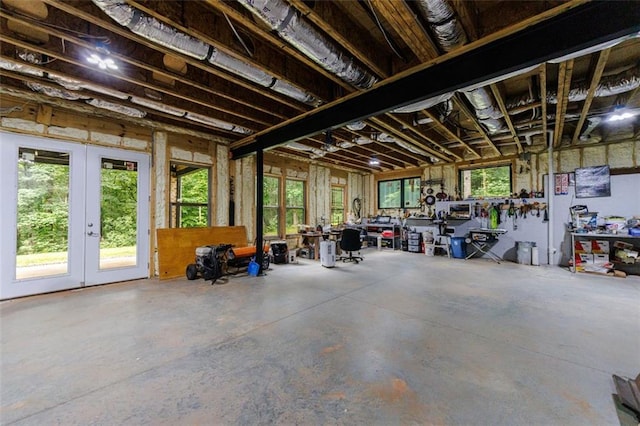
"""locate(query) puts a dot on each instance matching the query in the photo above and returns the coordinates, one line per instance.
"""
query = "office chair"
(349, 243)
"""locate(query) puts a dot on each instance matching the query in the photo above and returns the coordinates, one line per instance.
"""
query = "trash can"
(458, 247)
(524, 251)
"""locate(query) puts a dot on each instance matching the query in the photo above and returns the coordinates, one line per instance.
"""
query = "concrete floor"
(399, 339)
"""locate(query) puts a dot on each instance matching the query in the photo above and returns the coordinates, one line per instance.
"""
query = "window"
(189, 199)
(271, 208)
(337, 205)
(295, 214)
(487, 182)
(399, 193)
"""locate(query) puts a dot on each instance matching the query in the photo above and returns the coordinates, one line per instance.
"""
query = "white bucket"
(379, 242)
(429, 249)
(291, 257)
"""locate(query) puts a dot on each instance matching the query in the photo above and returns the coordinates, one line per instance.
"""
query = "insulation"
(620, 155)
(594, 156)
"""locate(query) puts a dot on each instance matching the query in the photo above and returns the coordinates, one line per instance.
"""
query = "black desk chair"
(349, 243)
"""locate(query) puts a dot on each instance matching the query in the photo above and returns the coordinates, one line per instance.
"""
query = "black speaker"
(279, 251)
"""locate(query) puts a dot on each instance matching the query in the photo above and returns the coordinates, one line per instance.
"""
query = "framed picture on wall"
(593, 182)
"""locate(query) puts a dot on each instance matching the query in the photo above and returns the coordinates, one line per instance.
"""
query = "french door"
(71, 215)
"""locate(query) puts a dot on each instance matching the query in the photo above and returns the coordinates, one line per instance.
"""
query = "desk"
(479, 239)
(313, 240)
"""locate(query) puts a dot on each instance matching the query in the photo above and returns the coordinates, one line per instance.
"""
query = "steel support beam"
(584, 26)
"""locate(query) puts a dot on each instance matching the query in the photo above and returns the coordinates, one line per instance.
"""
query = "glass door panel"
(117, 221)
(118, 213)
(42, 246)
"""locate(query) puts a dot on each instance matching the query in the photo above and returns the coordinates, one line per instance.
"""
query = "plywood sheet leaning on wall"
(176, 246)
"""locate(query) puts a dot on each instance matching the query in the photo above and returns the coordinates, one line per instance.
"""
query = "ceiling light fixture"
(102, 63)
(620, 116)
(374, 161)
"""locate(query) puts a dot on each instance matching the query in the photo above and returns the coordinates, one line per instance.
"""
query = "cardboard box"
(599, 246)
(585, 258)
(583, 246)
(600, 258)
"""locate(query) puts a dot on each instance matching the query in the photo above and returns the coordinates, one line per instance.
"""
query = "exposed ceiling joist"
(596, 75)
(564, 86)
(550, 35)
(497, 93)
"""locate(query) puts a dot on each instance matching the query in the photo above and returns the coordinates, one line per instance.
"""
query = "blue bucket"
(458, 247)
(253, 268)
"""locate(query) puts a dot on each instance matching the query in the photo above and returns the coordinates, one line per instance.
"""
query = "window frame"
(278, 207)
(175, 218)
(333, 208)
(287, 207)
(402, 182)
(461, 172)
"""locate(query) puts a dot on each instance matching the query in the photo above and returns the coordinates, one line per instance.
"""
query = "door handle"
(93, 234)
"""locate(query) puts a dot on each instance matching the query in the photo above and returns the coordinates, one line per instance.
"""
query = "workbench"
(481, 239)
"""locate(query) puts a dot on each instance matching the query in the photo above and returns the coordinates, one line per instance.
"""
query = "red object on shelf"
(387, 234)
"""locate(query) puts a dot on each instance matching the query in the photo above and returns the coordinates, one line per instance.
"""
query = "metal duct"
(356, 125)
(362, 140)
(592, 123)
(609, 86)
(154, 30)
(217, 123)
(486, 111)
(285, 20)
(346, 144)
(73, 84)
(168, 109)
(21, 68)
(298, 146)
(444, 25)
(427, 103)
(449, 36)
(131, 112)
(53, 92)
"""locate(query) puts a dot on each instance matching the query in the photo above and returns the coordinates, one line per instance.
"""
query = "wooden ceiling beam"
(214, 30)
(334, 158)
(411, 128)
(65, 62)
(384, 127)
(347, 34)
(226, 98)
(459, 103)
(123, 32)
(497, 93)
(448, 134)
(394, 157)
(564, 85)
(596, 75)
(467, 16)
(398, 14)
